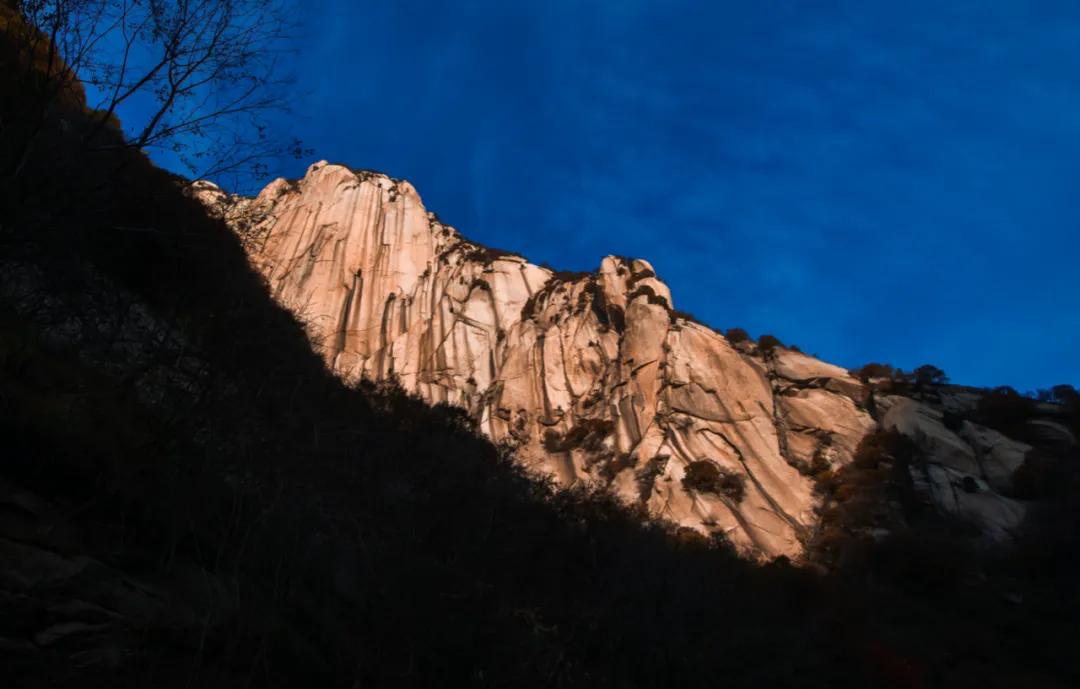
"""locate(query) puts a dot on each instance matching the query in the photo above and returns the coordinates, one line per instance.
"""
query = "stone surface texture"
(592, 378)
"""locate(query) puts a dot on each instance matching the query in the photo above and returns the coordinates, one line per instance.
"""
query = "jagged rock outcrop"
(965, 470)
(591, 377)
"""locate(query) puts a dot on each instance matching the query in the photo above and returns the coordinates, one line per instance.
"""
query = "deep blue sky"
(877, 181)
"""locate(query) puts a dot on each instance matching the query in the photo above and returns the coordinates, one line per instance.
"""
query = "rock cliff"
(590, 377)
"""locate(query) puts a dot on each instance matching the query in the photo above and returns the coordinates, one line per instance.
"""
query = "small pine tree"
(735, 335)
(930, 375)
(767, 343)
(874, 370)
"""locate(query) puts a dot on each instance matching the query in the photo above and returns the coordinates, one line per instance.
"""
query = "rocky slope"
(188, 498)
(591, 377)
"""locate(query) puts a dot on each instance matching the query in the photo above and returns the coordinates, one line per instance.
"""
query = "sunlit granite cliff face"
(591, 377)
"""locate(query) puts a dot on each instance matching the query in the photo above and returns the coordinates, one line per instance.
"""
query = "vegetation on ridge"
(188, 498)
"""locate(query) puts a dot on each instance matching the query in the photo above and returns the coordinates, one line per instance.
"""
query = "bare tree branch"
(198, 69)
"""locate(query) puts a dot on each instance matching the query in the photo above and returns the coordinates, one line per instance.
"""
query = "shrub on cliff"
(928, 374)
(767, 343)
(873, 370)
(340, 535)
(587, 435)
(676, 315)
(884, 446)
(705, 476)
(736, 335)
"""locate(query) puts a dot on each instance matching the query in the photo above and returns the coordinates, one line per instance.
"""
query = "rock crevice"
(600, 362)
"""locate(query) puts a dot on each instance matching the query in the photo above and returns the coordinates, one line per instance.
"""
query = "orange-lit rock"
(593, 378)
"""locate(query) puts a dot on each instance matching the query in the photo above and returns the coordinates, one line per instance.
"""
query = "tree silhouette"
(204, 74)
(928, 374)
(735, 335)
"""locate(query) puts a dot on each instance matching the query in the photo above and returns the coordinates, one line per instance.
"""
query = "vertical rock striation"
(591, 377)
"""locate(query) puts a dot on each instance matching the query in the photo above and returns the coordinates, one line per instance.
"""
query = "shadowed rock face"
(590, 377)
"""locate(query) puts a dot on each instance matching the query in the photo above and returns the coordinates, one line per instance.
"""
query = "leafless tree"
(197, 78)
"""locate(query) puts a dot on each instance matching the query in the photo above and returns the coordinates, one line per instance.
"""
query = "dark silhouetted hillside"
(188, 498)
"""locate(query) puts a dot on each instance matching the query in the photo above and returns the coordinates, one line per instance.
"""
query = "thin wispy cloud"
(869, 181)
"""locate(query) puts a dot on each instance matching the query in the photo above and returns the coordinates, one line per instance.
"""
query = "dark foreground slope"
(187, 498)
